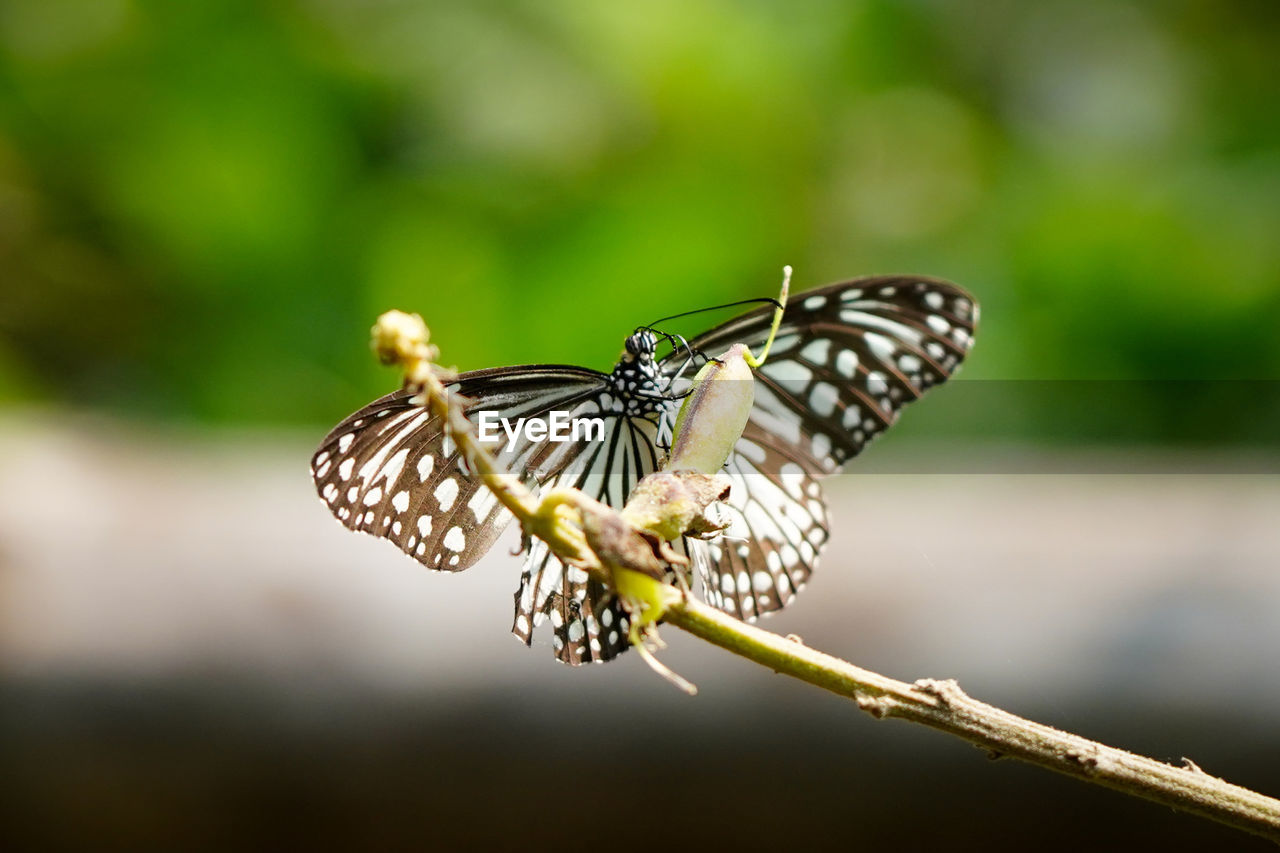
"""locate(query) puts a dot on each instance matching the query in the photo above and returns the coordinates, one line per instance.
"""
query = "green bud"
(712, 418)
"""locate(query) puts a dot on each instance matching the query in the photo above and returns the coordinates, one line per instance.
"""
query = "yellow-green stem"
(939, 704)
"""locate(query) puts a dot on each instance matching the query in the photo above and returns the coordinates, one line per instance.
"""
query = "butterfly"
(846, 359)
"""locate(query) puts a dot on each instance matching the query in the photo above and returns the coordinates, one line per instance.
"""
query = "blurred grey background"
(204, 205)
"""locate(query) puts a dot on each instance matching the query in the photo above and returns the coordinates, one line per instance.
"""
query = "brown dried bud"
(619, 545)
(671, 503)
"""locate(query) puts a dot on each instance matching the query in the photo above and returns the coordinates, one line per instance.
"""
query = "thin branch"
(565, 519)
(944, 706)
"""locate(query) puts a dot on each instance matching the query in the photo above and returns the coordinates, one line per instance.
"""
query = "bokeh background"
(203, 205)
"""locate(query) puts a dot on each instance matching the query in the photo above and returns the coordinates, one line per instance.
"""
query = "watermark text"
(557, 427)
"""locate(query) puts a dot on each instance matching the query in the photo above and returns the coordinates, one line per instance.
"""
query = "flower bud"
(398, 337)
(670, 503)
(713, 417)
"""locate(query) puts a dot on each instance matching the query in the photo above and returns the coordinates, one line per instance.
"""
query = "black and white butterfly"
(847, 357)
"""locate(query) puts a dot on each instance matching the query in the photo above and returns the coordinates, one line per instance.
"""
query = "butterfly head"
(641, 345)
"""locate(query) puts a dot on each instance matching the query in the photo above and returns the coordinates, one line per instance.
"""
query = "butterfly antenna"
(755, 301)
(777, 318)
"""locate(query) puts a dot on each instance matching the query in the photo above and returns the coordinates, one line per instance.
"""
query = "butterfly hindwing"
(777, 524)
(589, 625)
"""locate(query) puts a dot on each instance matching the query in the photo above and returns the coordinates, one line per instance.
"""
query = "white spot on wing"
(395, 465)
(481, 503)
(823, 399)
(446, 493)
(880, 346)
(846, 363)
(751, 450)
(817, 350)
(782, 343)
(786, 371)
(770, 414)
(792, 476)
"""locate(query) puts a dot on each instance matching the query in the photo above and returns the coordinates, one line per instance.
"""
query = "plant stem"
(943, 705)
(402, 339)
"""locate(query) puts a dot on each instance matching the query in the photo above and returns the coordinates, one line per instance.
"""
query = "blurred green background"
(204, 204)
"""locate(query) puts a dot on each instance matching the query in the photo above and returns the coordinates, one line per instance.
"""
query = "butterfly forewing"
(848, 357)
(389, 469)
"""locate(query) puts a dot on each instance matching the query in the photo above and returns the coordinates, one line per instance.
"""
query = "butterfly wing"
(390, 471)
(847, 358)
(777, 524)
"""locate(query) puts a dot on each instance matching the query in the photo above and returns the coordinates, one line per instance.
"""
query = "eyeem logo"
(558, 427)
